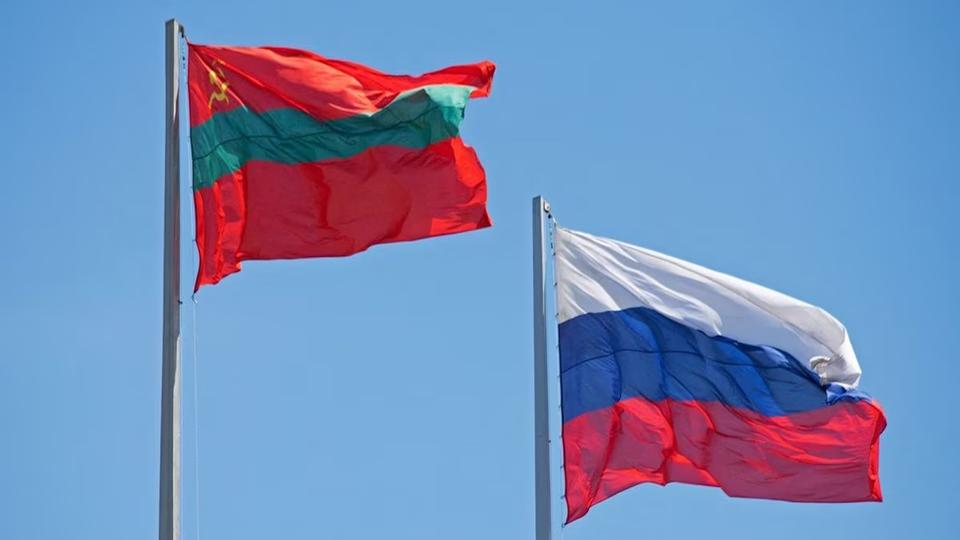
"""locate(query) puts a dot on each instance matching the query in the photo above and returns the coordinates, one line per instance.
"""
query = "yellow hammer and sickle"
(220, 85)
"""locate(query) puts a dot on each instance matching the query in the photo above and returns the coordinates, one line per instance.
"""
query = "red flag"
(296, 155)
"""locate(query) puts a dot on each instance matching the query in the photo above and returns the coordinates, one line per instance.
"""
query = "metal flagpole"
(544, 519)
(170, 390)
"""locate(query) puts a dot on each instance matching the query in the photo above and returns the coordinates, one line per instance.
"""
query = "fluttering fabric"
(672, 372)
(296, 155)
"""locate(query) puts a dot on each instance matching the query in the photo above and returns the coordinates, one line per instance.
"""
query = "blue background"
(812, 147)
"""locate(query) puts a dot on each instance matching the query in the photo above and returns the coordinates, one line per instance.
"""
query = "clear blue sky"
(813, 147)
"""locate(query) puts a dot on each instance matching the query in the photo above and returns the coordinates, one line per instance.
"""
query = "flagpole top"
(544, 205)
(177, 26)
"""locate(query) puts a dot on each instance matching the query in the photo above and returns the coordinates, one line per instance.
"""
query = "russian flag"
(671, 372)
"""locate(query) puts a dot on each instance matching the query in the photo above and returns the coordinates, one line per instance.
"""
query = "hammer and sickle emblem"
(219, 82)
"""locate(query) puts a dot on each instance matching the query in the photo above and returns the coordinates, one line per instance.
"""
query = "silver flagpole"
(541, 405)
(170, 390)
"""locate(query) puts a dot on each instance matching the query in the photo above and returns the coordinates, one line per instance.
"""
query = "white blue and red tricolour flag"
(671, 372)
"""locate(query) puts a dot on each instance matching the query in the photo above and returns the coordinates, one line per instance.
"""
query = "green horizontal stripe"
(228, 140)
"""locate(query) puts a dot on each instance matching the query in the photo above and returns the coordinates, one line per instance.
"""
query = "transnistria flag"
(671, 372)
(296, 155)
